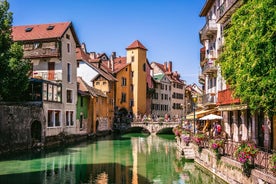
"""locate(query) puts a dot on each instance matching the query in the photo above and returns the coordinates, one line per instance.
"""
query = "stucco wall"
(15, 125)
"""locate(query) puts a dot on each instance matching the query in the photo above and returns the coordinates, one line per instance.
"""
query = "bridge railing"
(156, 120)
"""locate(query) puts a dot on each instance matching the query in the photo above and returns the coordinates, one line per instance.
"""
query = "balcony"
(209, 99)
(202, 54)
(209, 67)
(201, 79)
(56, 76)
(209, 30)
(41, 53)
(226, 9)
(225, 97)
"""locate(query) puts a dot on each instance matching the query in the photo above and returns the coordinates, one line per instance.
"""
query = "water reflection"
(131, 159)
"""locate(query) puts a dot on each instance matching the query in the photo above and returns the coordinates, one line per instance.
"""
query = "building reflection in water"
(129, 160)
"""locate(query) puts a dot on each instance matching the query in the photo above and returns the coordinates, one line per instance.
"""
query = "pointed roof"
(81, 55)
(84, 88)
(136, 44)
(42, 31)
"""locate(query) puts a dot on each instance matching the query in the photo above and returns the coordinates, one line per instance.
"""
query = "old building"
(51, 50)
(176, 88)
(97, 77)
(161, 103)
(239, 123)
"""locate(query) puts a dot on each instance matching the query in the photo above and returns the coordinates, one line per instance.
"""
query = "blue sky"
(169, 29)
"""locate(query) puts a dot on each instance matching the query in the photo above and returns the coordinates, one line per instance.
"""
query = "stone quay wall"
(15, 125)
(230, 170)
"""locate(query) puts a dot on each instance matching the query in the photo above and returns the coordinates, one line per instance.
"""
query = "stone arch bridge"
(154, 127)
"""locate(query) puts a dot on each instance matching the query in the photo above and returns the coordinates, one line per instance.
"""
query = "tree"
(13, 69)
(248, 61)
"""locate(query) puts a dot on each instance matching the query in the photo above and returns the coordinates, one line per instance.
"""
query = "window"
(68, 36)
(81, 101)
(68, 72)
(97, 83)
(57, 117)
(123, 97)
(69, 96)
(51, 92)
(131, 87)
(28, 29)
(68, 48)
(69, 118)
(131, 103)
(50, 27)
(54, 118)
(132, 58)
(124, 81)
(50, 119)
(144, 67)
(81, 120)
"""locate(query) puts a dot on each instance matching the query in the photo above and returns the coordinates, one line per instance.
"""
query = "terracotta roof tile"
(42, 31)
(161, 66)
(136, 44)
(84, 87)
(119, 63)
(81, 55)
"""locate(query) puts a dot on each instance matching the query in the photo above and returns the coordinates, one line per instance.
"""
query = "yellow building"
(137, 57)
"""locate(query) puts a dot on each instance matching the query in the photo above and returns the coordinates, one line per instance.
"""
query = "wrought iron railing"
(262, 160)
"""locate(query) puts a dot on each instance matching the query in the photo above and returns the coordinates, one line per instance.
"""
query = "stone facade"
(17, 126)
(229, 169)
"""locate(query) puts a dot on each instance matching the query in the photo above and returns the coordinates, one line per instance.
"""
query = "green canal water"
(129, 159)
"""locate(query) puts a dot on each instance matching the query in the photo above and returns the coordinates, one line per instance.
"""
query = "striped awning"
(201, 113)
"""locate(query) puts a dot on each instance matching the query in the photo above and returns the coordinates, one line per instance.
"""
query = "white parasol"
(210, 117)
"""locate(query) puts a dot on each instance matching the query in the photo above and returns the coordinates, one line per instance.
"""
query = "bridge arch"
(137, 129)
(155, 127)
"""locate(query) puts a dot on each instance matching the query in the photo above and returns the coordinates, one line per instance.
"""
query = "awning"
(232, 107)
(201, 113)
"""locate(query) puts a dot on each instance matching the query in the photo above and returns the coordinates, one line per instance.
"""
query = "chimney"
(112, 63)
(83, 47)
(113, 54)
(92, 55)
(170, 67)
(99, 63)
(165, 66)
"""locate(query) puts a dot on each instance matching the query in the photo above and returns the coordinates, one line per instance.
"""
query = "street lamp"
(194, 98)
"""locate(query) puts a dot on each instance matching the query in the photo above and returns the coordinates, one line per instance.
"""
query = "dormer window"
(28, 29)
(50, 27)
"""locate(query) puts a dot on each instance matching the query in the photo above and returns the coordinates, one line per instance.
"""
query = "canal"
(131, 158)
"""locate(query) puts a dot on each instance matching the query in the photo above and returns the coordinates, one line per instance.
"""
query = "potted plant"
(186, 139)
(177, 131)
(245, 153)
(198, 139)
(216, 144)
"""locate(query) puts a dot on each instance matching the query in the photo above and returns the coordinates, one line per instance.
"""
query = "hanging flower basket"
(245, 153)
(217, 144)
(186, 139)
(198, 140)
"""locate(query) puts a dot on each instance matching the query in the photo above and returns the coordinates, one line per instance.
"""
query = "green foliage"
(13, 69)
(248, 61)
